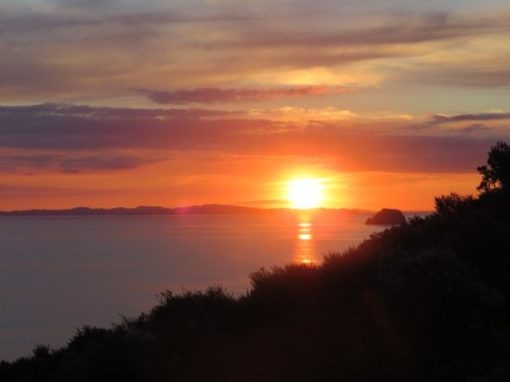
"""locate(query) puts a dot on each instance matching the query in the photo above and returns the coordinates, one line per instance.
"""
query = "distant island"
(205, 209)
(387, 216)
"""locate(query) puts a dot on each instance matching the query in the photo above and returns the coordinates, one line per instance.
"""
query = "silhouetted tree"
(453, 203)
(496, 174)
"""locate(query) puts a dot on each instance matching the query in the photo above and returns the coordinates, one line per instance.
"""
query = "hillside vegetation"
(425, 301)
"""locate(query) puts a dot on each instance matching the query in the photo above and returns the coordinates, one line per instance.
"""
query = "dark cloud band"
(223, 95)
(92, 132)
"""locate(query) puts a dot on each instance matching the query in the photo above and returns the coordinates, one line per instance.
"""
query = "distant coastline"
(135, 211)
(205, 209)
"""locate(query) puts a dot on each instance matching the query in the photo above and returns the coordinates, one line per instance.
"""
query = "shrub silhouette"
(453, 204)
(425, 301)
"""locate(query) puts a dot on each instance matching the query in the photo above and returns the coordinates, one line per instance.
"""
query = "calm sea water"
(59, 273)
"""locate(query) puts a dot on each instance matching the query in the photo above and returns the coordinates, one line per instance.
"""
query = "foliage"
(453, 204)
(496, 173)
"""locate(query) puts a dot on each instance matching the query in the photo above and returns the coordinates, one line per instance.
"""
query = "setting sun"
(305, 193)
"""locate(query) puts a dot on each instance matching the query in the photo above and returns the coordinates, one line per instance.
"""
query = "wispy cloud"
(71, 163)
(440, 119)
(474, 128)
(392, 28)
(223, 95)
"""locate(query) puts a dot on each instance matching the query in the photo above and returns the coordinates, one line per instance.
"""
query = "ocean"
(60, 273)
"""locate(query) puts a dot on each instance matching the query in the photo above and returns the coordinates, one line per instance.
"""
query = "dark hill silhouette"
(87, 211)
(387, 216)
(141, 210)
(205, 209)
(424, 301)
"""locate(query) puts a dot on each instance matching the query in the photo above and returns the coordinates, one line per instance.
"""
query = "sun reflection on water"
(305, 245)
(305, 236)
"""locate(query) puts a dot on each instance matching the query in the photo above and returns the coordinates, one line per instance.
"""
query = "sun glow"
(305, 193)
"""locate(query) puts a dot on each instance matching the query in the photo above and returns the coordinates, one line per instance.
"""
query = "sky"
(124, 103)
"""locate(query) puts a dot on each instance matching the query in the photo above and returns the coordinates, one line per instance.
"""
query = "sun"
(305, 193)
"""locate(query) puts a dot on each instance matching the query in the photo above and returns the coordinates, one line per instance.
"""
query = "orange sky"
(178, 103)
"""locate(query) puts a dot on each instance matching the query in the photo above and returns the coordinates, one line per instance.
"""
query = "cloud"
(75, 52)
(486, 125)
(69, 127)
(60, 110)
(440, 119)
(27, 161)
(98, 135)
(393, 28)
(102, 163)
(492, 72)
(220, 95)
(482, 77)
(74, 15)
(474, 128)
